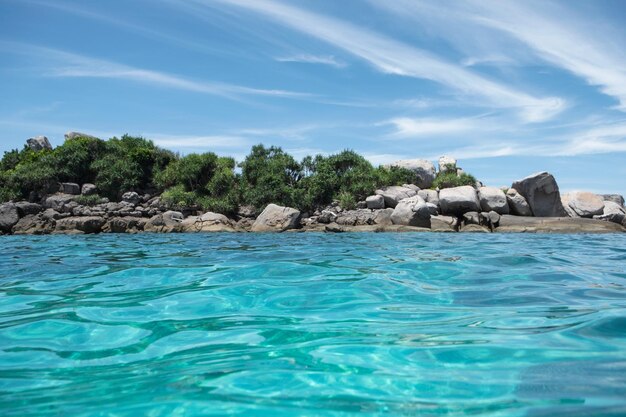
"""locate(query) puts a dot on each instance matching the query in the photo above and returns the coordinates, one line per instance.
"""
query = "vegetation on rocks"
(449, 179)
(206, 181)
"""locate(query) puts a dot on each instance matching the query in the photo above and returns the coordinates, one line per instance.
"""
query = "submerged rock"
(542, 194)
(519, 224)
(276, 218)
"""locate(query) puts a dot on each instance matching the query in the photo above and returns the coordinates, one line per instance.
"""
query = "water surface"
(313, 325)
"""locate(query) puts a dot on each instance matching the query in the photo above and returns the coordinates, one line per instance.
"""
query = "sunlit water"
(313, 325)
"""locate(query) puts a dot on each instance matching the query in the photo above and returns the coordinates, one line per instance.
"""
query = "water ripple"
(313, 325)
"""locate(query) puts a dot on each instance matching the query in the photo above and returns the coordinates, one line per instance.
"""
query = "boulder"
(613, 212)
(73, 135)
(565, 201)
(34, 224)
(471, 217)
(585, 204)
(517, 203)
(430, 196)
(58, 202)
(491, 218)
(383, 217)
(24, 208)
(424, 170)
(276, 218)
(542, 194)
(208, 222)
(411, 211)
(412, 187)
(615, 198)
(50, 214)
(168, 222)
(447, 164)
(375, 202)
(69, 188)
(393, 194)
(458, 200)
(81, 224)
(125, 225)
(474, 228)
(88, 189)
(492, 198)
(39, 143)
(326, 217)
(131, 197)
(444, 223)
(9, 216)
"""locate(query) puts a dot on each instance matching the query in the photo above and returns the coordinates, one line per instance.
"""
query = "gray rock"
(585, 204)
(430, 196)
(34, 224)
(424, 170)
(432, 209)
(492, 218)
(542, 194)
(474, 228)
(25, 208)
(168, 222)
(326, 217)
(615, 198)
(411, 211)
(125, 225)
(59, 202)
(89, 189)
(39, 143)
(355, 218)
(9, 216)
(471, 217)
(518, 224)
(492, 198)
(73, 135)
(276, 218)
(565, 201)
(393, 194)
(517, 203)
(412, 187)
(375, 202)
(383, 217)
(613, 212)
(50, 214)
(131, 197)
(247, 212)
(69, 188)
(208, 222)
(447, 164)
(82, 224)
(458, 200)
(444, 223)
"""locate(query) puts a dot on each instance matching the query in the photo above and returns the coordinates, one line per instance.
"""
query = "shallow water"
(313, 325)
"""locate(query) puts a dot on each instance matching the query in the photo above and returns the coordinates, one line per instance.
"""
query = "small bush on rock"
(451, 179)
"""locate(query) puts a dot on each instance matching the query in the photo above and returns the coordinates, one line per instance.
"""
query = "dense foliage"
(206, 181)
(449, 179)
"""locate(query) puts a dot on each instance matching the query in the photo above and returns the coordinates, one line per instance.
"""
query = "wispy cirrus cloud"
(394, 57)
(57, 63)
(513, 31)
(313, 59)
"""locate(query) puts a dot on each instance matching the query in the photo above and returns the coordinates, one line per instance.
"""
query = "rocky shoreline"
(530, 205)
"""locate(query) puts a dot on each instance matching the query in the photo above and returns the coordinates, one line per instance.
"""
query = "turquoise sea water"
(313, 325)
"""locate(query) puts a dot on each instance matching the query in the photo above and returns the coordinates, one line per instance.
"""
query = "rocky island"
(340, 193)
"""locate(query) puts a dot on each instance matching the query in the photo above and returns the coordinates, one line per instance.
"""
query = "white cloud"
(507, 31)
(405, 127)
(393, 57)
(199, 142)
(66, 64)
(313, 59)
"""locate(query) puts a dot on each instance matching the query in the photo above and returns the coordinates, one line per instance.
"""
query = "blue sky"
(507, 87)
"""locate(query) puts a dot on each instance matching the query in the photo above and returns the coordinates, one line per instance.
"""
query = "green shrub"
(178, 198)
(451, 179)
(347, 201)
(89, 200)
